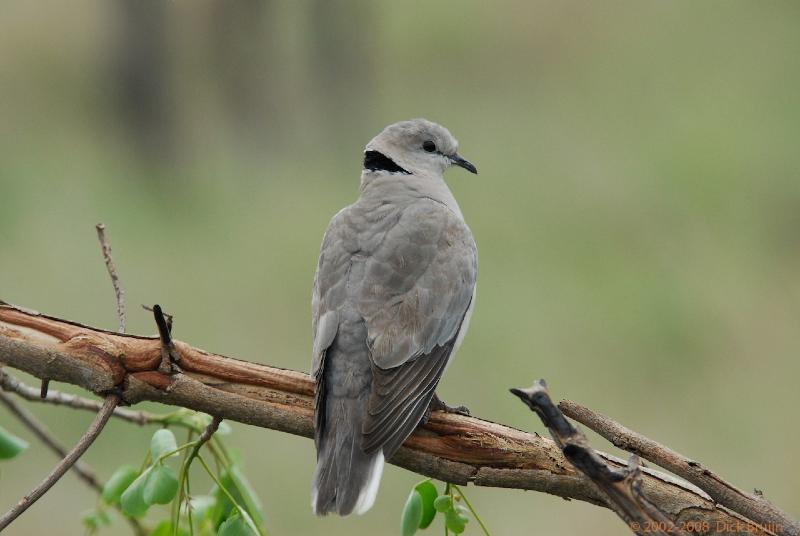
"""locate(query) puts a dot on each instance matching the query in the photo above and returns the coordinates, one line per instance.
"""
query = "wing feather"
(410, 274)
(417, 289)
(399, 415)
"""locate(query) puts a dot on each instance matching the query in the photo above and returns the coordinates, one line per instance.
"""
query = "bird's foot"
(437, 404)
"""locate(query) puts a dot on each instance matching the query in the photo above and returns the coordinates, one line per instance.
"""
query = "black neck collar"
(376, 161)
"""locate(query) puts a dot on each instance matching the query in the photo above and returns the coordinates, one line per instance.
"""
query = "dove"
(392, 299)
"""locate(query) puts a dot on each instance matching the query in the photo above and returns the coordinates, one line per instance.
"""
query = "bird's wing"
(416, 291)
(329, 293)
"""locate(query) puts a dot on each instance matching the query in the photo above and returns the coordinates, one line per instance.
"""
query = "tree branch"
(69, 460)
(11, 384)
(622, 487)
(449, 447)
(754, 507)
(45, 436)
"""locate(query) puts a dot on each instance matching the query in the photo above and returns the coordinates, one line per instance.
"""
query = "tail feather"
(346, 478)
(368, 493)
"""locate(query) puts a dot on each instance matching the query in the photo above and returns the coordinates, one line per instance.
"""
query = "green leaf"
(238, 486)
(202, 506)
(165, 528)
(132, 500)
(455, 521)
(119, 482)
(221, 509)
(201, 421)
(205, 528)
(161, 485)
(428, 493)
(235, 525)
(412, 514)
(163, 441)
(235, 457)
(249, 522)
(10, 445)
(94, 519)
(443, 503)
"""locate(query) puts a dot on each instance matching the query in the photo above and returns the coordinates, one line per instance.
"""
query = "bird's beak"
(457, 160)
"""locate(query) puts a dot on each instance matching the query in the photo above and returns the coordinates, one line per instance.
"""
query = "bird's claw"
(437, 404)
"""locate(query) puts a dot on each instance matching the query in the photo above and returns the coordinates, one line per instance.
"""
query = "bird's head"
(417, 146)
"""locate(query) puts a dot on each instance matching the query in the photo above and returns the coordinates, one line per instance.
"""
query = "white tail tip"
(367, 496)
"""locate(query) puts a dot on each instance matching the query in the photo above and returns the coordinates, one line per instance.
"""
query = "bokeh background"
(637, 212)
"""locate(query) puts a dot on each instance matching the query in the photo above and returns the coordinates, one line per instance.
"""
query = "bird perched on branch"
(392, 299)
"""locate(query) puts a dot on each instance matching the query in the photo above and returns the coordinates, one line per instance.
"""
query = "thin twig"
(183, 478)
(621, 487)
(471, 509)
(212, 427)
(13, 385)
(64, 465)
(112, 271)
(242, 511)
(210, 430)
(41, 431)
(754, 507)
(46, 436)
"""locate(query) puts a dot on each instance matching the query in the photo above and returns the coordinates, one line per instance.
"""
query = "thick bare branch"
(449, 447)
(752, 506)
(65, 464)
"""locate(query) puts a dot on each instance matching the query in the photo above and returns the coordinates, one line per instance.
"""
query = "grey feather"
(392, 298)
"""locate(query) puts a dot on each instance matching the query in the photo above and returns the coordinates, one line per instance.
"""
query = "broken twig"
(621, 487)
(169, 354)
(754, 507)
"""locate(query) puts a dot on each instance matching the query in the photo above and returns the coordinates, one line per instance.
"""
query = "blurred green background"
(637, 212)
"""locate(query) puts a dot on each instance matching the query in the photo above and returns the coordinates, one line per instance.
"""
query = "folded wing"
(415, 297)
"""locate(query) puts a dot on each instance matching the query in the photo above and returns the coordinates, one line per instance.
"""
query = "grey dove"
(392, 299)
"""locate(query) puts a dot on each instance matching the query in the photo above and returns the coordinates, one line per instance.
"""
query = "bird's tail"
(346, 478)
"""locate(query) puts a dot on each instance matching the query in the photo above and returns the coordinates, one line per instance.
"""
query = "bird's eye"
(429, 146)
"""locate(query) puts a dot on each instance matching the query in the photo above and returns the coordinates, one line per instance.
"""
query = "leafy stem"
(242, 511)
(447, 491)
(471, 509)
